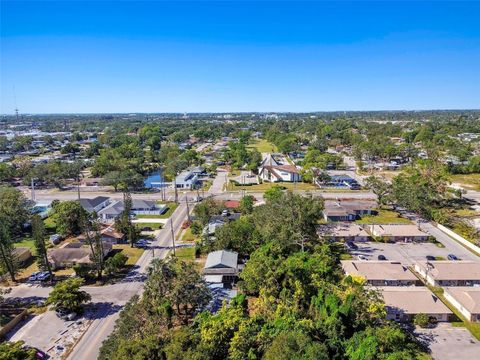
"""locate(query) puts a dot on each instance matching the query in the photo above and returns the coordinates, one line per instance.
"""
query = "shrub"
(421, 320)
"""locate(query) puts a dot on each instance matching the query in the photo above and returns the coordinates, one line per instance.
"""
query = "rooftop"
(413, 300)
(221, 259)
(341, 230)
(378, 270)
(467, 296)
(397, 230)
(453, 270)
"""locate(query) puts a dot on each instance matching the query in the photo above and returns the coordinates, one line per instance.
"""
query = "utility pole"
(173, 236)
(188, 209)
(78, 189)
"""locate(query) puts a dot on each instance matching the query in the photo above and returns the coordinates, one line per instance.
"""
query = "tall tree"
(38, 235)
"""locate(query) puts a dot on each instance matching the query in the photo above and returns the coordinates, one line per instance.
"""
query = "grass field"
(153, 225)
(188, 236)
(262, 145)
(171, 208)
(469, 181)
(383, 217)
(132, 253)
(185, 253)
(265, 186)
(26, 242)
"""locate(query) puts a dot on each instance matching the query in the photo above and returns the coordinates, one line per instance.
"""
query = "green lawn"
(469, 181)
(132, 253)
(26, 242)
(266, 185)
(383, 217)
(185, 253)
(188, 236)
(171, 208)
(154, 226)
(262, 145)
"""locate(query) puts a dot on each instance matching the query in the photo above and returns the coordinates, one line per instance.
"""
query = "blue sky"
(73, 56)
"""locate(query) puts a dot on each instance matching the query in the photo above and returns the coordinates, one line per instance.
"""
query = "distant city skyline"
(227, 57)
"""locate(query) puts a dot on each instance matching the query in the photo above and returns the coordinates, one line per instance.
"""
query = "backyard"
(171, 207)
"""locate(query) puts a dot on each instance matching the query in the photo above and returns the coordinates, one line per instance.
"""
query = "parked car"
(56, 238)
(452, 257)
(141, 243)
(43, 276)
(225, 212)
(34, 276)
(362, 257)
(430, 258)
(381, 257)
(65, 314)
(351, 246)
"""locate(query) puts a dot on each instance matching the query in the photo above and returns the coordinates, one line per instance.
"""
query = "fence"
(459, 238)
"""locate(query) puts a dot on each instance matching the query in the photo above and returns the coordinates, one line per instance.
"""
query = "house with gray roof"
(139, 207)
(96, 204)
(222, 263)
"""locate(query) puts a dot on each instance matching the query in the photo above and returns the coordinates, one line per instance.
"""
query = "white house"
(465, 299)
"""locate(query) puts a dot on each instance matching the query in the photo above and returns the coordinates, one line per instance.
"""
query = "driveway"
(447, 342)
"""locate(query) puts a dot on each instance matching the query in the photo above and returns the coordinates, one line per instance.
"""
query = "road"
(89, 345)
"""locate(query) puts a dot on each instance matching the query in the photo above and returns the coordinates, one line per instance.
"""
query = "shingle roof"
(90, 204)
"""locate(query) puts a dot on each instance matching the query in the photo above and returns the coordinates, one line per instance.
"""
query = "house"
(96, 204)
(72, 254)
(342, 232)
(348, 209)
(403, 303)
(449, 273)
(287, 173)
(398, 232)
(219, 220)
(274, 169)
(187, 180)
(380, 273)
(232, 204)
(221, 263)
(465, 299)
(107, 233)
(139, 207)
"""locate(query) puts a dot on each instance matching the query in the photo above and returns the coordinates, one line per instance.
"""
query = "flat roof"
(413, 300)
(378, 270)
(397, 230)
(467, 296)
(341, 230)
(452, 270)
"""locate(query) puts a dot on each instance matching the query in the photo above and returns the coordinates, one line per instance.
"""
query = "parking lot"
(447, 342)
(406, 253)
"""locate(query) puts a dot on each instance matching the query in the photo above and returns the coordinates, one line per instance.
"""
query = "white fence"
(459, 238)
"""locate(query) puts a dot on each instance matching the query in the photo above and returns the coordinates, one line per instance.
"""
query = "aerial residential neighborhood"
(239, 180)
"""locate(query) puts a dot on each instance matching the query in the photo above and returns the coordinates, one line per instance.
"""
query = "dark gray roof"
(90, 204)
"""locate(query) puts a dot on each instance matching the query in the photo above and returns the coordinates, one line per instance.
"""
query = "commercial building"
(465, 299)
(347, 209)
(449, 273)
(403, 303)
(380, 273)
(398, 233)
(342, 232)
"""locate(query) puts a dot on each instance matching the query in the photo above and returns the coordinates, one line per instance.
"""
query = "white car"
(362, 257)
